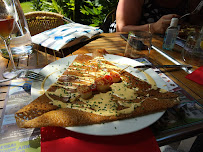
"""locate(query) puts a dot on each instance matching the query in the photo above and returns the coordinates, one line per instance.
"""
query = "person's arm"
(128, 15)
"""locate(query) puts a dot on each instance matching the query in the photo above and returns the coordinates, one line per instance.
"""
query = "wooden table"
(114, 44)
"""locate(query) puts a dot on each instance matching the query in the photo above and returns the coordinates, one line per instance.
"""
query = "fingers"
(166, 22)
(170, 16)
(167, 18)
(163, 23)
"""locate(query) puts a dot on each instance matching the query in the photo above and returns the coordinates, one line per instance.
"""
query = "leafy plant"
(26, 6)
(97, 10)
(89, 12)
(93, 12)
(52, 6)
(36, 5)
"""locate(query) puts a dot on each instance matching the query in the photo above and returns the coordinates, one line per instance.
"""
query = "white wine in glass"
(7, 19)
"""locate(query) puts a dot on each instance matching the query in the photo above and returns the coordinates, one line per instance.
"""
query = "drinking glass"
(138, 44)
(7, 20)
(21, 44)
(192, 52)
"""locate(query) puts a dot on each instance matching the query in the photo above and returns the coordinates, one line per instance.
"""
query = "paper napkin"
(60, 139)
(65, 36)
(196, 76)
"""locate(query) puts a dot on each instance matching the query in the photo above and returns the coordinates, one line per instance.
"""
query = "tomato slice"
(108, 78)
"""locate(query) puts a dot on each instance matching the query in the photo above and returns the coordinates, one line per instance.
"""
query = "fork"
(26, 74)
(34, 75)
(196, 10)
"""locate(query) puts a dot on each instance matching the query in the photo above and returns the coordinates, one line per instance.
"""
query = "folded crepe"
(93, 90)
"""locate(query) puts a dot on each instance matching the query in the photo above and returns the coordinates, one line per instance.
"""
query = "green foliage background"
(89, 12)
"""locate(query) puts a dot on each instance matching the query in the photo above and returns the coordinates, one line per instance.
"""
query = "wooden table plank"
(113, 44)
(178, 76)
(3, 94)
(175, 53)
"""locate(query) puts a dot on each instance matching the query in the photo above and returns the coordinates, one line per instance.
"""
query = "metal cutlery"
(195, 11)
(34, 76)
(164, 66)
(27, 74)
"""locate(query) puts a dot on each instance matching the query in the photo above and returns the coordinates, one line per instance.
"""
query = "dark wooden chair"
(110, 18)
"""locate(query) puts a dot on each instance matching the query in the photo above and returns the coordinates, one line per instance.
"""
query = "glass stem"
(7, 44)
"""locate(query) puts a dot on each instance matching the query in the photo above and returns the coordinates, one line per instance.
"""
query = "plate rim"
(78, 128)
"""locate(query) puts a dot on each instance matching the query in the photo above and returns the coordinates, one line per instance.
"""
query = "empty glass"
(192, 52)
(138, 44)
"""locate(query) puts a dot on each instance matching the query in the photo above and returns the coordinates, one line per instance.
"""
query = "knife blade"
(164, 66)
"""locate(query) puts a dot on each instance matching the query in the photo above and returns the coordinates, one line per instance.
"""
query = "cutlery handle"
(174, 66)
(164, 66)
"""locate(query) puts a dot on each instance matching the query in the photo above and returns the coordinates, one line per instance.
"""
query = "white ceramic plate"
(111, 128)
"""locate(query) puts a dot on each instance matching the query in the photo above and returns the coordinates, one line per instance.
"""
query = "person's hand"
(162, 24)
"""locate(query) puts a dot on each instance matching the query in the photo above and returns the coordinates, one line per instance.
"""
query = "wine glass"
(138, 44)
(192, 52)
(7, 20)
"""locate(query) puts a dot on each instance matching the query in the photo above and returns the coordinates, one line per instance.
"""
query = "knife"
(164, 66)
